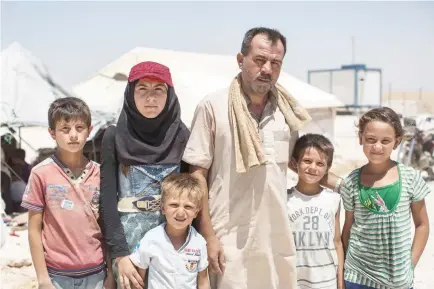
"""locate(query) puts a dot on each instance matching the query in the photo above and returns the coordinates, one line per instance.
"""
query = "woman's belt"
(135, 205)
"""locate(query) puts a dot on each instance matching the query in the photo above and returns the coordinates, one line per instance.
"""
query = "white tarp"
(102, 94)
(25, 97)
(194, 76)
(25, 89)
(323, 122)
(26, 94)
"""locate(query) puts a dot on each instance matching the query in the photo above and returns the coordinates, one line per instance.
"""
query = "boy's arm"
(421, 223)
(141, 259)
(37, 249)
(202, 279)
(339, 249)
(108, 261)
(202, 268)
(349, 220)
(110, 281)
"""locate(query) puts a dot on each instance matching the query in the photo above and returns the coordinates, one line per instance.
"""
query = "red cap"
(149, 69)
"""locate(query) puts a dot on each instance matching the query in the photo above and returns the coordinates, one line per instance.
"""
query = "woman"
(146, 146)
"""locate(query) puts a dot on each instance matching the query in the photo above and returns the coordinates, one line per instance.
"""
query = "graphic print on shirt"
(312, 220)
(376, 203)
(317, 225)
(193, 258)
(57, 197)
(380, 203)
(94, 202)
(192, 265)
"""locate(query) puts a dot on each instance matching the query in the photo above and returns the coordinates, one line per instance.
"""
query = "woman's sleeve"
(112, 228)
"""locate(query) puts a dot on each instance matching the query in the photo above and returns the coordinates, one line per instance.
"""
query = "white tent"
(25, 97)
(194, 76)
(27, 91)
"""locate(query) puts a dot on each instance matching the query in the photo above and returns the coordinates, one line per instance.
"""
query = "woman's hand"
(129, 278)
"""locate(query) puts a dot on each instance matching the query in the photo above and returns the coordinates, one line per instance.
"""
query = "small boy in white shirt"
(174, 252)
(313, 213)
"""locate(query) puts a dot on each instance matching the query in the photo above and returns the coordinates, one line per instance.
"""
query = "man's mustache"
(264, 77)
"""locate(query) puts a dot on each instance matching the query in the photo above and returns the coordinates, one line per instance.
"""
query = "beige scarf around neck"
(248, 148)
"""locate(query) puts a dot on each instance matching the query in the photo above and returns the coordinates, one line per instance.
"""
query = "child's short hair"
(177, 184)
(68, 108)
(316, 141)
(383, 114)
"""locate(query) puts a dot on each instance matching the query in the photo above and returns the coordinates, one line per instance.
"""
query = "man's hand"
(128, 276)
(216, 255)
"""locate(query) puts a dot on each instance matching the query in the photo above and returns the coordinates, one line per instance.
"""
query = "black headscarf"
(159, 140)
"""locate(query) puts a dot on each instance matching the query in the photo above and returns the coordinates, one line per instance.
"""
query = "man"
(240, 146)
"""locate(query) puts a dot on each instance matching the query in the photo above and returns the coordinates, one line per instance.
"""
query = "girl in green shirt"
(378, 199)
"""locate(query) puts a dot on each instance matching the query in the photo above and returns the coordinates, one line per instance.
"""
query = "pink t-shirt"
(71, 234)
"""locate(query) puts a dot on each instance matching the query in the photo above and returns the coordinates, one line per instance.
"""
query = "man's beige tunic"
(248, 211)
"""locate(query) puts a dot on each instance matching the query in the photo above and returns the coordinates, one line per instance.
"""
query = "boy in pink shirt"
(62, 197)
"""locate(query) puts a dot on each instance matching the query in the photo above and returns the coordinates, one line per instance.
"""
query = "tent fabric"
(26, 92)
(323, 122)
(194, 75)
(102, 94)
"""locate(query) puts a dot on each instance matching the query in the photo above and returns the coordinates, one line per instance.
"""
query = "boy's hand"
(110, 282)
(46, 285)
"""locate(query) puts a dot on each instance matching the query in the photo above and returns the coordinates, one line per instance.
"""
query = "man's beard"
(262, 88)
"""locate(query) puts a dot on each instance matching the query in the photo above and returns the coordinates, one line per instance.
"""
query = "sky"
(76, 39)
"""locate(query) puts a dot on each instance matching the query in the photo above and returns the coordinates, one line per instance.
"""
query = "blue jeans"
(349, 285)
(94, 281)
